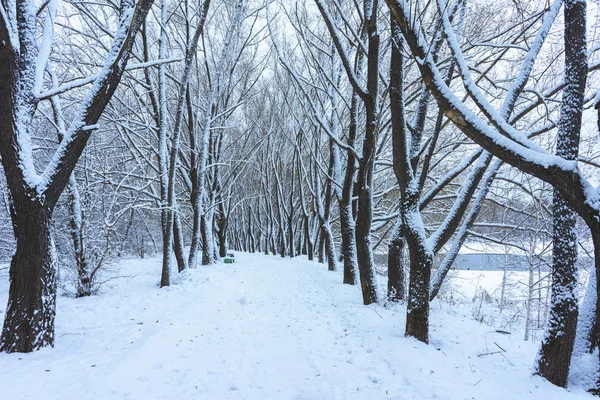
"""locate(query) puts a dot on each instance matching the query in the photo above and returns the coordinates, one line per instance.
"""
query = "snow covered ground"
(263, 328)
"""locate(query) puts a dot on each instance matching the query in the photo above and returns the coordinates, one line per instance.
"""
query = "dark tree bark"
(396, 286)
(267, 235)
(309, 242)
(222, 231)
(206, 238)
(29, 318)
(421, 260)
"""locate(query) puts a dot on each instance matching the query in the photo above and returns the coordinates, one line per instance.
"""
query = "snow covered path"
(263, 328)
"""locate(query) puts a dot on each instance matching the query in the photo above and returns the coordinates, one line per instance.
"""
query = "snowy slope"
(263, 328)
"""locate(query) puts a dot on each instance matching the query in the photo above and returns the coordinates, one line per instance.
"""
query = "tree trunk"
(267, 235)
(417, 313)
(364, 220)
(347, 222)
(396, 287)
(365, 182)
(291, 232)
(222, 231)
(347, 227)
(329, 247)
(309, 242)
(557, 346)
(196, 210)
(84, 281)
(178, 244)
(29, 318)
(321, 247)
(594, 338)
(222, 244)
(206, 240)
(411, 223)
(165, 277)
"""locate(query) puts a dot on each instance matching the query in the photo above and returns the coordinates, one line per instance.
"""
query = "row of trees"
(331, 129)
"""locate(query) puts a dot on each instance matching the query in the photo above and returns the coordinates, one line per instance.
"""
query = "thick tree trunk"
(29, 318)
(417, 313)
(555, 354)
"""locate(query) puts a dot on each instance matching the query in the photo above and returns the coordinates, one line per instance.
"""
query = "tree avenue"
(381, 138)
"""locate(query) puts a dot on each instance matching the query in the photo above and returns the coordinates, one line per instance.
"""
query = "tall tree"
(557, 346)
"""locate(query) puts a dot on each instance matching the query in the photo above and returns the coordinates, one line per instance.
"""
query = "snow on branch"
(75, 83)
(56, 174)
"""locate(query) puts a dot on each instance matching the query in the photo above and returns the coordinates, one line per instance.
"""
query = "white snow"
(263, 328)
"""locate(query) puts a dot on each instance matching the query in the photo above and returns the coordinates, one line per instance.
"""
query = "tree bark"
(396, 286)
(309, 242)
(205, 224)
(222, 231)
(421, 260)
(178, 244)
(29, 318)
